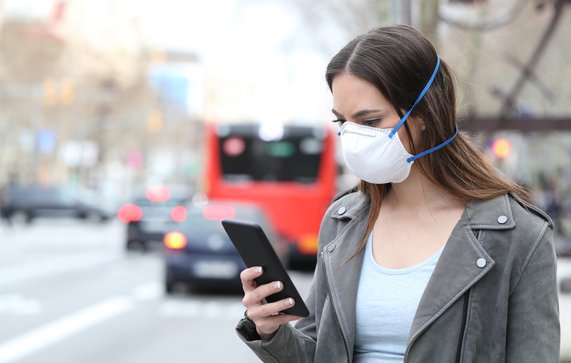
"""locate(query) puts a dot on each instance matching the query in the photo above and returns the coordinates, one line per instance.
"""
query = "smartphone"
(255, 249)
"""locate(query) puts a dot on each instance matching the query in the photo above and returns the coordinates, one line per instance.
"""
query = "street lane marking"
(62, 328)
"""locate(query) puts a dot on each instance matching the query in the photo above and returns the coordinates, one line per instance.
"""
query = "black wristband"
(248, 328)
(247, 321)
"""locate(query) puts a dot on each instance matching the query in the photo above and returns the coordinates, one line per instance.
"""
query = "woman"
(437, 257)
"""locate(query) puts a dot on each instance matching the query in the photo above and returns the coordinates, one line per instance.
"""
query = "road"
(69, 293)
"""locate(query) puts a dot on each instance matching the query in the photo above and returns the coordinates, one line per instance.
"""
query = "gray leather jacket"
(492, 296)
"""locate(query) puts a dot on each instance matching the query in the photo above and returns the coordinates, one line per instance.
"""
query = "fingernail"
(289, 302)
(259, 269)
(278, 285)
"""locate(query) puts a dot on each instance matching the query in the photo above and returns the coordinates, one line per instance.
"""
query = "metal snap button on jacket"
(502, 219)
(342, 210)
(481, 262)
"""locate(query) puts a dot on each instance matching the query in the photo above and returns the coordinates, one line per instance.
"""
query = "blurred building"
(81, 100)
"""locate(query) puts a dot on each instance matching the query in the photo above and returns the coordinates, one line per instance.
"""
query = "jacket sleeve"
(533, 333)
(296, 343)
(289, 344)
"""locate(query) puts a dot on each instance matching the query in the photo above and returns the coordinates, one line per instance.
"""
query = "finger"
(263, 311)
(257, 295)
(247, 277)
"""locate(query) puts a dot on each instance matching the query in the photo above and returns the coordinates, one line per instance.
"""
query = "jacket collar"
(352, 206)
(488, 214)
(492, 214)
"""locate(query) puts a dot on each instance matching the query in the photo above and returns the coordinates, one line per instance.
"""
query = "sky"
(255, 46)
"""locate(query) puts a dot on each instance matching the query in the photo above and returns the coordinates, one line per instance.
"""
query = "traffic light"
(501, 148)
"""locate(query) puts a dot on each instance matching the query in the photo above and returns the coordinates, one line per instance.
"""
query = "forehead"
(351, 93)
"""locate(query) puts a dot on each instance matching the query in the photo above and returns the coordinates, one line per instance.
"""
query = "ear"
(422, 124)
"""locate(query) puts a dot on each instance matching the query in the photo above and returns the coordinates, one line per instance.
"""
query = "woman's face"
(359, 101)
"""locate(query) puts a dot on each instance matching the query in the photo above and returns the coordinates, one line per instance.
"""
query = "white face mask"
(371, 155)
(377, 155)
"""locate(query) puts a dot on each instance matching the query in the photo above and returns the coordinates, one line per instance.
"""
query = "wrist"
(266, 337)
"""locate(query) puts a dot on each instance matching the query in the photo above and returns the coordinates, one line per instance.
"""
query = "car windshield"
(43, 194)
(208, 219)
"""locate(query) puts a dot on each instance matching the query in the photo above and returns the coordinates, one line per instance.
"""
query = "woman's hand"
(266, 316)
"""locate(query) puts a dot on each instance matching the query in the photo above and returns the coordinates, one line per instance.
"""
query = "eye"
(373, 122)
(339, 121)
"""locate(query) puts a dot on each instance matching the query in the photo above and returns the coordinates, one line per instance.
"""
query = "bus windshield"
(292, 158)
(247, 158)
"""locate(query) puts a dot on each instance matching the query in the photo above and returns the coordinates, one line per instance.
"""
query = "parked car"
(28, 202)
(199, 253)
(148, 216)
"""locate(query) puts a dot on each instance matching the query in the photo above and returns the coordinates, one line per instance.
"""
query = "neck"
(417, 192)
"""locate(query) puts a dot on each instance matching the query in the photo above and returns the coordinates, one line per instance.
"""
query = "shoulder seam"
(533, 209)
(534, 246)
(529, 256)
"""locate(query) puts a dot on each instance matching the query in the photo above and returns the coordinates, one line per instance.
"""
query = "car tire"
(133, 245)
(170, 287)
(170, 284)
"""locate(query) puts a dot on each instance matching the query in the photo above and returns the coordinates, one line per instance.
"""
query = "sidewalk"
(564, 271)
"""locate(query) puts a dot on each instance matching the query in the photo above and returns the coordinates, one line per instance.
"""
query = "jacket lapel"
(463, 261)
(343, 269)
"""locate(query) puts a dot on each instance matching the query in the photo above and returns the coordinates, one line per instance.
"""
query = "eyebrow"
(358, 113)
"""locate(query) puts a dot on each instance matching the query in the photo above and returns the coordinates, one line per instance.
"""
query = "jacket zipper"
(463, 327)
(334, 311)
(464, 314)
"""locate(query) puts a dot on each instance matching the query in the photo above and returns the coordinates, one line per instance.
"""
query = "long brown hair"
(398, 60)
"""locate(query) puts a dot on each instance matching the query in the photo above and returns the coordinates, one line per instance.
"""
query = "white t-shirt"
(387, 300)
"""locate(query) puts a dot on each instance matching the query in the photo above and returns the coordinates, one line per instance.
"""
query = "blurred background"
(129, 129)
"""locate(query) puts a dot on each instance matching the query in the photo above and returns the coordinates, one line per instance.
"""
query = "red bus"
(289, 170)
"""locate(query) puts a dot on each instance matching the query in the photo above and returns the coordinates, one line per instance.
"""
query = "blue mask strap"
(432, 149)
(403, 119)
